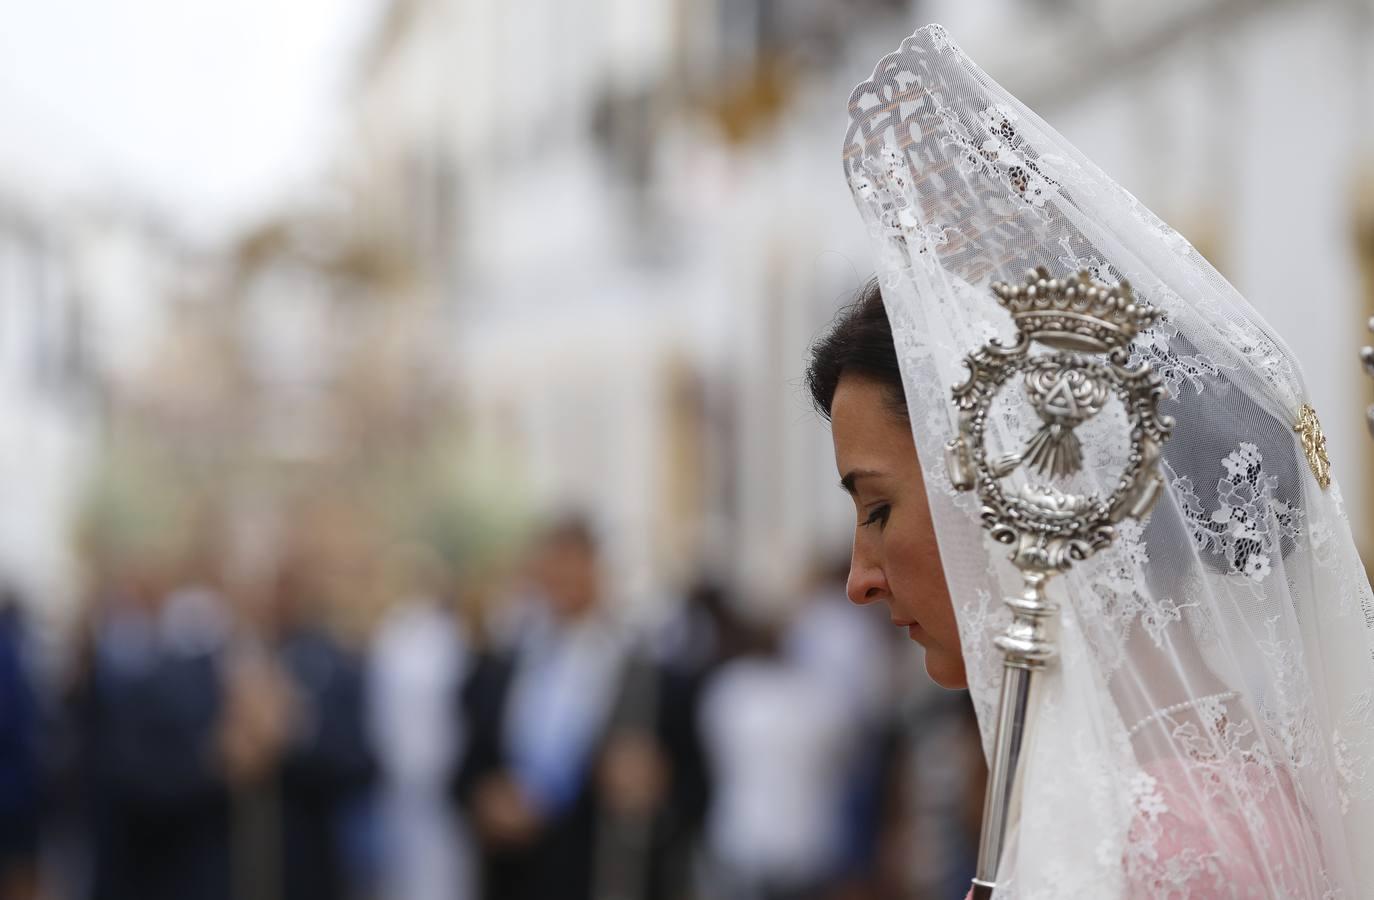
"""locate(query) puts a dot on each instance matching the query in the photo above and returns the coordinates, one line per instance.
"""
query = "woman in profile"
(1208, 727)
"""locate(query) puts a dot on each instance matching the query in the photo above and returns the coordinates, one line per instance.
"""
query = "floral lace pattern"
(1117, 601)
(981, 617)
(1178, 370)
(1246, 527)
(1353, 743)
(1273, 361)
(1286, 708)
(1000, 156)
(1194, 819)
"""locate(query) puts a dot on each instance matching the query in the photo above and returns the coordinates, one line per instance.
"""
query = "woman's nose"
(866, 580)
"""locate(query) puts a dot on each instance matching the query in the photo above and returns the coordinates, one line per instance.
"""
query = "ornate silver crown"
(1075, 313)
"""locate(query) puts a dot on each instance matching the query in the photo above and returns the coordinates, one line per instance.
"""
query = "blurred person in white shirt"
(785, 738)
(417, 662)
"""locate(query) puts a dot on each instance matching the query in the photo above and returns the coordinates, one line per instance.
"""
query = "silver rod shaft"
(1028, 646)
(1001, 803)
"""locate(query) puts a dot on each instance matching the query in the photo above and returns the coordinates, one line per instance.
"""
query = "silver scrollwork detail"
(1049, 529)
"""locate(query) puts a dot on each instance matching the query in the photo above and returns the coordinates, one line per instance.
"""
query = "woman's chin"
(945, 670)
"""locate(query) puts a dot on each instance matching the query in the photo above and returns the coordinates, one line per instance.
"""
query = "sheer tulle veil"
(1208, 729)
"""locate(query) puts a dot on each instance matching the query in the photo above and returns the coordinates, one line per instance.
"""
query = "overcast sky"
(205, 110)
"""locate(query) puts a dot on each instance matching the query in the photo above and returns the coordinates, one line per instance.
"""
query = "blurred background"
(408, 487)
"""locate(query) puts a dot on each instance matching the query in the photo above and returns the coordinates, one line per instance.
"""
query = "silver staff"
(1050, 530)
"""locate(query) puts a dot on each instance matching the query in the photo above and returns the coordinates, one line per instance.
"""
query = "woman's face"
(895, 557)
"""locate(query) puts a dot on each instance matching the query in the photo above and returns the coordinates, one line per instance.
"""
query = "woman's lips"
(913, 630)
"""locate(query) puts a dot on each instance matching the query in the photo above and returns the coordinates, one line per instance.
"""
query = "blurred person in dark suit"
(148, 714)
(218, 759)
(19, 768)
(557, 750)
(299, 694)
(702, 633)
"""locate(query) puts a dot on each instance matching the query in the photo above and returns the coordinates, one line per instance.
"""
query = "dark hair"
(859, 341)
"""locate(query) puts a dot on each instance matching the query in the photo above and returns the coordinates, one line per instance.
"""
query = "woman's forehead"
(866, 432)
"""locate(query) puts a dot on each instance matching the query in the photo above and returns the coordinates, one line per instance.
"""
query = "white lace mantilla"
(1209, 728)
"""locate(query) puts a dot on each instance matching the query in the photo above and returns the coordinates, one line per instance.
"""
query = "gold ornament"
(1314, 444)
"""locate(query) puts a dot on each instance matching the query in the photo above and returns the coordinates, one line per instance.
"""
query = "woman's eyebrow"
(847, 482)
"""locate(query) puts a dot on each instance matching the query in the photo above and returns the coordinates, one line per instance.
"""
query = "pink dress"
(1191, 839)
(1223, 830)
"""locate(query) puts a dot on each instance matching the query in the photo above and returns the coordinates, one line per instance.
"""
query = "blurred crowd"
(203, 741)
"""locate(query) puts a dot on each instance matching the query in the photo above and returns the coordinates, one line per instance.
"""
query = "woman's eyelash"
(878, 515)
